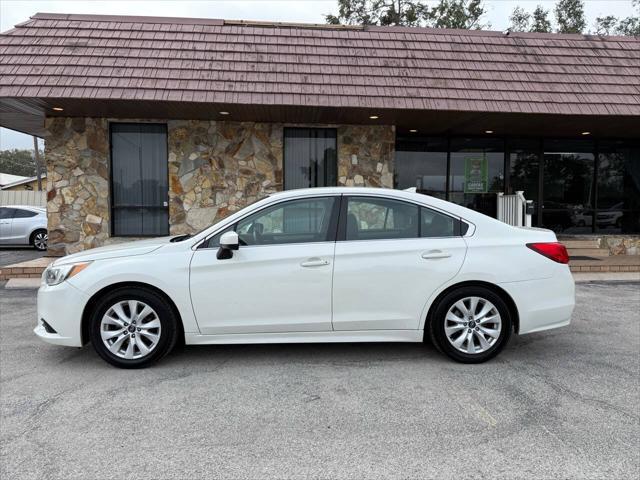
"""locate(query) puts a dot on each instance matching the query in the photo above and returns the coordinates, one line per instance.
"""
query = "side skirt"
(307, 337)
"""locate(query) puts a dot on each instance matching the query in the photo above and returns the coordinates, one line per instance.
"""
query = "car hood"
(126, 249)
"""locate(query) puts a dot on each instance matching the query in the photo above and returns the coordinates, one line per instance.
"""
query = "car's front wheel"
(471, 324)
(133, 327)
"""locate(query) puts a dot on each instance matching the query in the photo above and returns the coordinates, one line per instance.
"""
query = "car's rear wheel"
(39, 239)
(471, 324)
(133, 327)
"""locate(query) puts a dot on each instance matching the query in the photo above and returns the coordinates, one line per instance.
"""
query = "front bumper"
(61, 307)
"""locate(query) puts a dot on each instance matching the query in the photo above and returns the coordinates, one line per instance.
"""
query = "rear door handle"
(433, 254)
(314, 262)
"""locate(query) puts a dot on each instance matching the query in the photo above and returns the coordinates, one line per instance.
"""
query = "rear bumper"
(545, 303)
(61, 307)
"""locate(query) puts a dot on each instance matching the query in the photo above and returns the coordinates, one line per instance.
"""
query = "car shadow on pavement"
(310, 354)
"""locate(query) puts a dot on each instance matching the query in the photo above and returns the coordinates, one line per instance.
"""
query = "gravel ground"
(562, 404)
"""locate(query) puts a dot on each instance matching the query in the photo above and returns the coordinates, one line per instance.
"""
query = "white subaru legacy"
(315, 265)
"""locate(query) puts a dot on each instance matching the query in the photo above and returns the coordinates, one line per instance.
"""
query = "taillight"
(553, 250)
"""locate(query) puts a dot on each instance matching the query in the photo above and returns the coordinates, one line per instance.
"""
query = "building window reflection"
(578, 186)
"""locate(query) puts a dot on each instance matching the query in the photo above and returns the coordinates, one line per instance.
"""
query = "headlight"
(58, 274)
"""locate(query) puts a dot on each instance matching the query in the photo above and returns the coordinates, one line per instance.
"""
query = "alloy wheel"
(130, 329)
(40, 240)
(473, 325)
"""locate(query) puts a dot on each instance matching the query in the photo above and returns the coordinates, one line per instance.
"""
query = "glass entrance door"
(568, 186)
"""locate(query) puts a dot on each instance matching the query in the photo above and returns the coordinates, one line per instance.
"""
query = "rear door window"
(372, 218)
(21, 213)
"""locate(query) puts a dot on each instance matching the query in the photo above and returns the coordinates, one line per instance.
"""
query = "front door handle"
(433, 254)
(314, 262)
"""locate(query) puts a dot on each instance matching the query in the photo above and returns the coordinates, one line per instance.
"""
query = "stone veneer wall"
(77, 156)
(215, 168)
(365, 155)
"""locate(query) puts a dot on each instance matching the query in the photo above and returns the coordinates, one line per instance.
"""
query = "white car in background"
(23, 225)
(315, 265)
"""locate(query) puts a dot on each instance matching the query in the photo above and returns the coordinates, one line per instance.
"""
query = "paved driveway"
(562, 404)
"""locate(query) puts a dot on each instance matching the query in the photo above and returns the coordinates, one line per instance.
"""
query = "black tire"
(41, 236)
(165, 314)
(437, 324)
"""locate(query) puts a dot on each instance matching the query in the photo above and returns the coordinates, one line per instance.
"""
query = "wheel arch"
(33, 232)
(513, 309)
(91, 303)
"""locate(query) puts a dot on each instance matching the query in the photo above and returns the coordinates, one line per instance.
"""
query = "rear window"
(435, 224)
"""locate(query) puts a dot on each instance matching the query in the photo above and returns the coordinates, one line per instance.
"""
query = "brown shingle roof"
(200, 60)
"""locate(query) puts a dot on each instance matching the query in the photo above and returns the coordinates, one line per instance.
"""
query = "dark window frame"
(113, 207)
(284, 155)
(342, 220)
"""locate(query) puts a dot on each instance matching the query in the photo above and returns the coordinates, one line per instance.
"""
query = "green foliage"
(523, 21)
(18, 162)
(377, 12)
(520, 20)
(570, 16)
(611, 25)
(606, 25)
(456, 14)
(541, 22)
(445, 14)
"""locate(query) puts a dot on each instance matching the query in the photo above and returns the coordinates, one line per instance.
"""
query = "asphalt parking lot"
(559, 404)
(11, 255)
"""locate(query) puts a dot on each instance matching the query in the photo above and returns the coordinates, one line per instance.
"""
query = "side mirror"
(229, 241)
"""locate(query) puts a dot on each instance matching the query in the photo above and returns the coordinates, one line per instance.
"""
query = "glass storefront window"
(568, 197)
(524, 170)
(476, 173)
(618, 209)
(422, 163)
(563, 187)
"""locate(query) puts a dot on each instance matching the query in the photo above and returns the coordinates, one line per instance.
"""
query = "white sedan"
(315, 265)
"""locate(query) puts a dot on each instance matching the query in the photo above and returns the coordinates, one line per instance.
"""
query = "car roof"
(26, 207)
(408, 195)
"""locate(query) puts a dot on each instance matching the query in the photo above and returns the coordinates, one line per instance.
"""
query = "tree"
(541, 22)
(445, 14)
(606, 25)
(523, 21)
(17, 162)
(610, 24)
(378, 12)
(520, 20)
(630, 25)
(464, 14)
(570, 16)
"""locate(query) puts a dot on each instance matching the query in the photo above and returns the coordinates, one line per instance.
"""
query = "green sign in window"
(476, 175)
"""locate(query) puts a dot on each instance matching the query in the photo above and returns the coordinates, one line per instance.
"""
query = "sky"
(307, 11)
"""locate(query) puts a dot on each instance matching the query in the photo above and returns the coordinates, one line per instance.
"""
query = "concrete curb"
(22, 283)
(585, 277)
